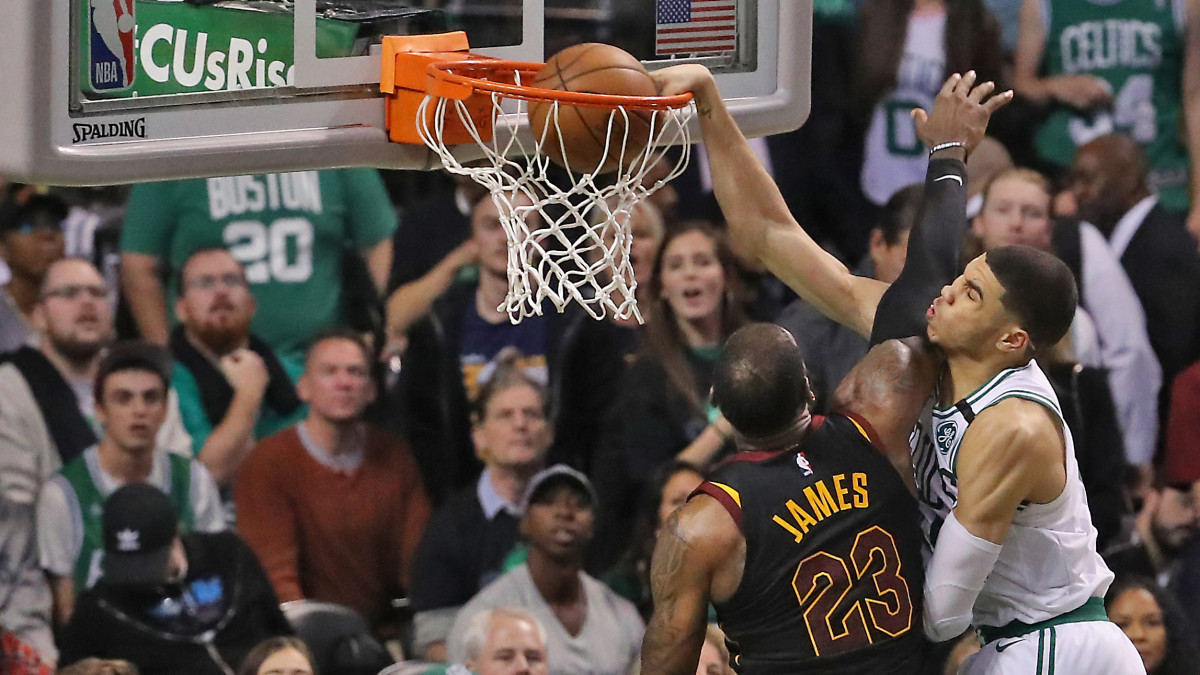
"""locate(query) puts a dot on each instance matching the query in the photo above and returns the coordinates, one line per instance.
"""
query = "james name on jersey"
(824, 498)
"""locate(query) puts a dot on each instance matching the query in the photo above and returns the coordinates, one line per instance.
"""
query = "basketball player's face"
(693, 280)
(513, 432)
(968, 316)
(513, 647)
(1137, 613)
(1015, 211)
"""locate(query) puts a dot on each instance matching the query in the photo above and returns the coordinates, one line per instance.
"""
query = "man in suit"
(1109, 182)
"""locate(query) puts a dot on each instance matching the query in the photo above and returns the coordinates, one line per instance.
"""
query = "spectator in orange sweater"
(333, 507)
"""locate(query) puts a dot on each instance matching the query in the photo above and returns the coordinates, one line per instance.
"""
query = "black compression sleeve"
(933, 250)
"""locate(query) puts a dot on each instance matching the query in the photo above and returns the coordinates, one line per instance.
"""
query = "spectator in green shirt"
(232, 388)
(289, 230)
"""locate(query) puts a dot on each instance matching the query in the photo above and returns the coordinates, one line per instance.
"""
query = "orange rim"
(467, 73)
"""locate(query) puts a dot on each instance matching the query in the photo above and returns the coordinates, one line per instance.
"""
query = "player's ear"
(1014, 340)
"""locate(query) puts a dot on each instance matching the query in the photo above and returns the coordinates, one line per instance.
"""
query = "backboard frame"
(332, 117)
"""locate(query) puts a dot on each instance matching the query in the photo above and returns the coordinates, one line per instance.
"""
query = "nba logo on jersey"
(802, 462)
(946, 432)
(113, 29)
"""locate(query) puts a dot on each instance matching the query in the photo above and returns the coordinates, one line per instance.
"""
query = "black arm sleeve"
(933, 250)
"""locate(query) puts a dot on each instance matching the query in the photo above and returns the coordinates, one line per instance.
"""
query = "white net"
(568, 236)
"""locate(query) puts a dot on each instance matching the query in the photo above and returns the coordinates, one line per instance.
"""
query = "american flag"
(695, 26)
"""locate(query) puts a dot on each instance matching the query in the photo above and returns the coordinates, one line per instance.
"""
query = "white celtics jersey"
(1048, 563)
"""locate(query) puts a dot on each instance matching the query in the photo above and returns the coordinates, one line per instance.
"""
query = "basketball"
(583, 132)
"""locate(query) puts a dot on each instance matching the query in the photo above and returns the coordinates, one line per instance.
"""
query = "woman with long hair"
(1155, 625)
(694, 308)
(662, 409)
(906, 50)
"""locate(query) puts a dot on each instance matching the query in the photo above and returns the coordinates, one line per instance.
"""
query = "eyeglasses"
(207, 282)
(95, 292)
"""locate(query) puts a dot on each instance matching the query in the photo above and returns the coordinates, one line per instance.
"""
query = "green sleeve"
(191, 409)
(149, 217)
(370, 215)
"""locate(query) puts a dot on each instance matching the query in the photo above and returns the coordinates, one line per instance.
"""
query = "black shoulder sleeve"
(933, 250)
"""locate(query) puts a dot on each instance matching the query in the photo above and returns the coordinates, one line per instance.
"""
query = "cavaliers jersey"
(1048, 563)
(833, 581)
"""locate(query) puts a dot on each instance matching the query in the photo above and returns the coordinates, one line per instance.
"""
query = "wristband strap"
(947, 145)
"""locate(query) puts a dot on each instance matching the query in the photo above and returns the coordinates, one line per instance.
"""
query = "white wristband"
(947, 145)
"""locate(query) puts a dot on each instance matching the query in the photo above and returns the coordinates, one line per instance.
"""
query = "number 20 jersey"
(833, 580)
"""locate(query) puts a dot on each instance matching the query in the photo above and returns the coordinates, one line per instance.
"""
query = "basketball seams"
(574, 76)
(560, 67)
(611, 71)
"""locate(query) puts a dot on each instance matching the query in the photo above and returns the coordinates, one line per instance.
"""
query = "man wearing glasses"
(233, 389)
(130, 391)
(47, 419)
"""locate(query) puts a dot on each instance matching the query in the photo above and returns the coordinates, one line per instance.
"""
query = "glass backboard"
(134, 90)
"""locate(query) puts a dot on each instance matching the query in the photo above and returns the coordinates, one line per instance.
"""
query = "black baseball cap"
(559, 474)
(38, 211)
(140, 525)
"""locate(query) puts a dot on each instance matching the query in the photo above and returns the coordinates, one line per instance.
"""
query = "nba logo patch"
(112, 30)
(946, 433)
(802, 462)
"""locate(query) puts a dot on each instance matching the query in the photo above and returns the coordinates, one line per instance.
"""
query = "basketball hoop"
(568, 239)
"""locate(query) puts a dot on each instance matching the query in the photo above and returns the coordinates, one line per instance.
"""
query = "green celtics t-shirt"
(1136, 46)
(288, 229)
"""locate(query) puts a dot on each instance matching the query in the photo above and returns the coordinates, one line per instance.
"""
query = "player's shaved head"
(759, 382)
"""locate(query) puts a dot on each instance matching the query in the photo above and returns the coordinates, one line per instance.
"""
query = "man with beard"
(47, 418)
(130, 395)
(1165, 525)
(232, 388)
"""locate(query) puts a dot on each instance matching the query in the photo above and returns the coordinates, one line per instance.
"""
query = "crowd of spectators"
(293, 407)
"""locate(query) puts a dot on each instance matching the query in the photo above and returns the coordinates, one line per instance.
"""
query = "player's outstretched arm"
(694, 548)
(888, 389)
(758, 216)
(955, 126)
(1012, 453)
